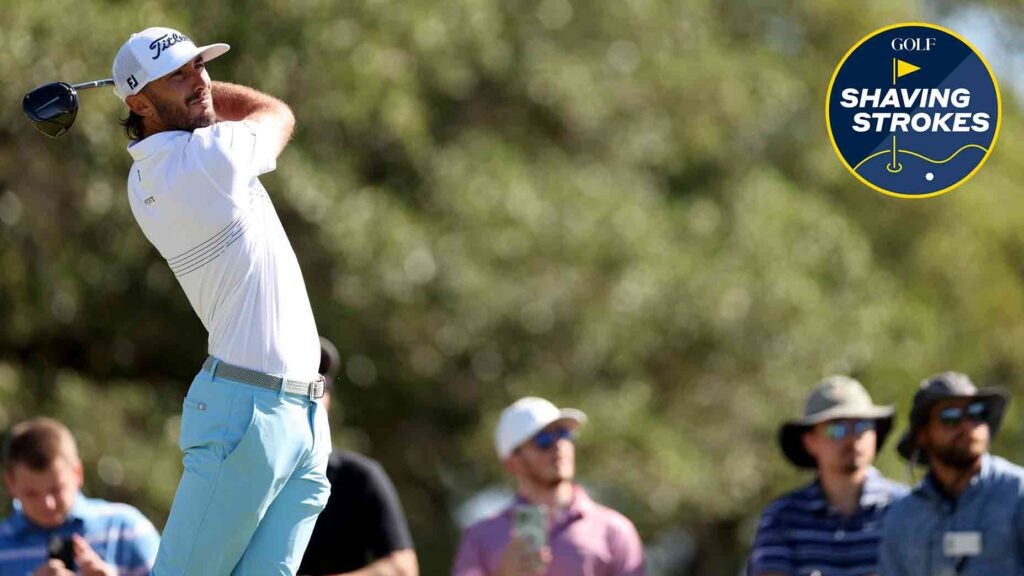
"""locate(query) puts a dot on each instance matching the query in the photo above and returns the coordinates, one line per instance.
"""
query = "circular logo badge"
(913, 110)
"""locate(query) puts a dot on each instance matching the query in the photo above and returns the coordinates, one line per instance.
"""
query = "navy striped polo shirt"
(802, 535)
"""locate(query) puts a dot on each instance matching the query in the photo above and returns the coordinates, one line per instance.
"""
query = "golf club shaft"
(93, 84)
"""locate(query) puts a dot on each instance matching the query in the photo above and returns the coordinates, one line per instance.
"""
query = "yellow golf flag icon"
(901, 69)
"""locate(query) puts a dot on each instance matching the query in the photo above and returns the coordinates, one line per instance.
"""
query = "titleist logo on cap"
(166, 41)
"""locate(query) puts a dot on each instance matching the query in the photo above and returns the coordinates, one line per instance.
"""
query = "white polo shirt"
(198, 200)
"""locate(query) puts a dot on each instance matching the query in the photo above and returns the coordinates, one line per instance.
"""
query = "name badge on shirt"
(961, 544)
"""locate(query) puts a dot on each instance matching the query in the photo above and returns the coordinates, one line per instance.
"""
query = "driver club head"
(52, 108)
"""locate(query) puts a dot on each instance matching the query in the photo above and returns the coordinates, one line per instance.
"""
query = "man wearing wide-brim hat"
(833, 524)
(967, 516)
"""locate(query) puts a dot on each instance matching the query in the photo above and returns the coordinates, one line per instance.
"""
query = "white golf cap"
(153, 53)
(527, 416)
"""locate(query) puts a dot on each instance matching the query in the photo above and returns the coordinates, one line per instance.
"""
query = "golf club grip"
(93, 84)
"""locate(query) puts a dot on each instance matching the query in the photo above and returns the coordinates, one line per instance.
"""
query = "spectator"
(53, 518)
(966, 517)
(363, 531)
(834, 524)
(535, 443)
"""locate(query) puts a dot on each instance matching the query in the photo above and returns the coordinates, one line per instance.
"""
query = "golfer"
(254, 437)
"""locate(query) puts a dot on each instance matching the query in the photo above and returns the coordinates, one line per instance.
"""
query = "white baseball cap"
(153, 53)
(527, 416)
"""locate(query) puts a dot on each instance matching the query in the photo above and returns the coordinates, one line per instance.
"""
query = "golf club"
(53, 107)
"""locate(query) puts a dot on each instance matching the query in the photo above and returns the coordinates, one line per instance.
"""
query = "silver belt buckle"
(316, 389)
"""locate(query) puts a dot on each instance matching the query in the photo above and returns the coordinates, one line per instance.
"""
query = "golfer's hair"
(38, 443)
(133, 126)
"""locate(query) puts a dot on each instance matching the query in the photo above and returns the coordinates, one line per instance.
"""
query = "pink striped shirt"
(587, 540)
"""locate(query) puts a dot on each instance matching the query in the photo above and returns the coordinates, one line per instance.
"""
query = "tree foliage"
(628, 207)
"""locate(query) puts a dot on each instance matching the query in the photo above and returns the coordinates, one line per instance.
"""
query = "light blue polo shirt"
(990, 511)
(119, 533)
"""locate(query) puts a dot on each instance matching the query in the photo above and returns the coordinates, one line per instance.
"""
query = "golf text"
(913, 99)
(912, 44)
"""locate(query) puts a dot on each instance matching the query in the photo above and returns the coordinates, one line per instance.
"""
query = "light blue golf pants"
(253, 485)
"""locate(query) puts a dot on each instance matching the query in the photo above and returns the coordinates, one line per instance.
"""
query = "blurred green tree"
(629, 207)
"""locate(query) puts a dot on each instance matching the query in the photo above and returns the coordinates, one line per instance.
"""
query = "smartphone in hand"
(530, 525)
(60, 548)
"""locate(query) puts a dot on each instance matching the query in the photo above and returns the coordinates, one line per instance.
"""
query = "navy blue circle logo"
(913, 110)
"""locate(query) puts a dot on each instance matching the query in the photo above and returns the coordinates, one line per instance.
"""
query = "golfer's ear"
(140, 104)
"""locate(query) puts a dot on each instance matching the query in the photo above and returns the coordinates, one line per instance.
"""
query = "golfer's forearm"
(237, 102)
(234, 102)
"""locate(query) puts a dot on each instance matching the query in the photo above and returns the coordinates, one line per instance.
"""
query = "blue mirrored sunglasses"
(951, 417)
(843, 428)
(545, 439)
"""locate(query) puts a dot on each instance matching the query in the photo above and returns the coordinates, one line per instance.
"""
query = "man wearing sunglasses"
(966, 517)
(553, 527)
(833, 524)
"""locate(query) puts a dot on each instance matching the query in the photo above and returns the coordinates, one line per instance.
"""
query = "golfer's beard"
(175, 116)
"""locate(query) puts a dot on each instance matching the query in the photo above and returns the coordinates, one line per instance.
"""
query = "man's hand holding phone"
(52, 568)
(61, 558)
(521, 559)
(527, 553)
(67, 555)
(89, 562)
